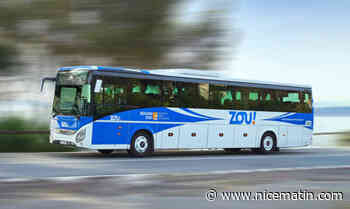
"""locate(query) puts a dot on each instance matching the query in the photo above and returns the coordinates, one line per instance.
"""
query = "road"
(41, 165)
(168, 179)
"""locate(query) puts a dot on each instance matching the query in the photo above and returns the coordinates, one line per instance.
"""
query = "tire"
(141, 145)
(268, 143)
(105, 151)
(232, 150)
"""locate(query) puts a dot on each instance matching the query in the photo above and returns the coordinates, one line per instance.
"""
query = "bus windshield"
(72, 94)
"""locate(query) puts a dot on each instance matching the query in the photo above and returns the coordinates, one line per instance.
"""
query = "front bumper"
(57, 138)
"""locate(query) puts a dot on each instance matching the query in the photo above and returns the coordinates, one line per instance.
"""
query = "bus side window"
(291, 101)
(266, 103)
(153, 92)
(214, 95)
(193, 95)
(108, 93)
(120, 89)
(306, 105)
(98, 98)
(226, 99)
(253, 99)
(308, 101)
(244, 104)
(186, 94)
(237, 99)
(220, 97)
(203, 95)
(135, 95)
(267, 97)
(169, 94)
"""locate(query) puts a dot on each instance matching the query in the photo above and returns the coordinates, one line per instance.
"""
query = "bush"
(28, 142)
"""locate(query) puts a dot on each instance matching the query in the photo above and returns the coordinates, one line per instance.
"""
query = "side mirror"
(43, 80)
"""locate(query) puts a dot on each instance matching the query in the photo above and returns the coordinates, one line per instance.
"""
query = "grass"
(28, 142)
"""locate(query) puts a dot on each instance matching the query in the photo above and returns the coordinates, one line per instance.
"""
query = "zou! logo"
(239, 118)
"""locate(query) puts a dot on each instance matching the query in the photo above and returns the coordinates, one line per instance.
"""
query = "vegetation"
(130, 33)
(26, 143)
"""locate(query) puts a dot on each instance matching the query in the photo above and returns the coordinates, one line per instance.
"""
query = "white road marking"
(133, 177)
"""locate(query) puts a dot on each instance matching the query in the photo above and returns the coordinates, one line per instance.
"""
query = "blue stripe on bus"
(295, 119)
(121, 133)
(156, 114)
(200, 115)
(106, 132)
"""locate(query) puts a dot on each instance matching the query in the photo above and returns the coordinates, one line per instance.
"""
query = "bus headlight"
(80, 136)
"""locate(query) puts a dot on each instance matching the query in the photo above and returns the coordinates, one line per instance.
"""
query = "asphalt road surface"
(41, 165)
(170, 179)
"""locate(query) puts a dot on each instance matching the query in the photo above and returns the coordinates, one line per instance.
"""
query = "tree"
(131, 33)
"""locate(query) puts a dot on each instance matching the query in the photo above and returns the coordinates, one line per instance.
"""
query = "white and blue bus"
(142, 111)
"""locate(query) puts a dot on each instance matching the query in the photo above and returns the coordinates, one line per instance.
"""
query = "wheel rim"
(268, 143)
(141, 144)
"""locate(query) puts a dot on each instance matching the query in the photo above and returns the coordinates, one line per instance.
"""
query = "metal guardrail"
(8, 132)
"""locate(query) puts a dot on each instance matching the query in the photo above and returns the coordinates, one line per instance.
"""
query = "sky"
(288, 41)
(304, 42)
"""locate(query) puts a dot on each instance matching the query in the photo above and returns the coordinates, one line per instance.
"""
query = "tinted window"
(254, 99)
(203, 99)
(221, 97)
(306, 105)
(169, 94)
(195, 95)
(145, 93)
(268, 100)
(118, 93)
(127, 91)
(111, 97)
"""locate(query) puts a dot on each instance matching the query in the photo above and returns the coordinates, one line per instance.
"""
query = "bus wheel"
(232, 150)
(268, 143)
(105, 151)
(141, 144)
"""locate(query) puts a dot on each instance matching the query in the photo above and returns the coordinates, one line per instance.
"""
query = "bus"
(143, 111)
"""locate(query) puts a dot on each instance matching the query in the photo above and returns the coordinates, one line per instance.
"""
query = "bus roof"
(185, 73)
